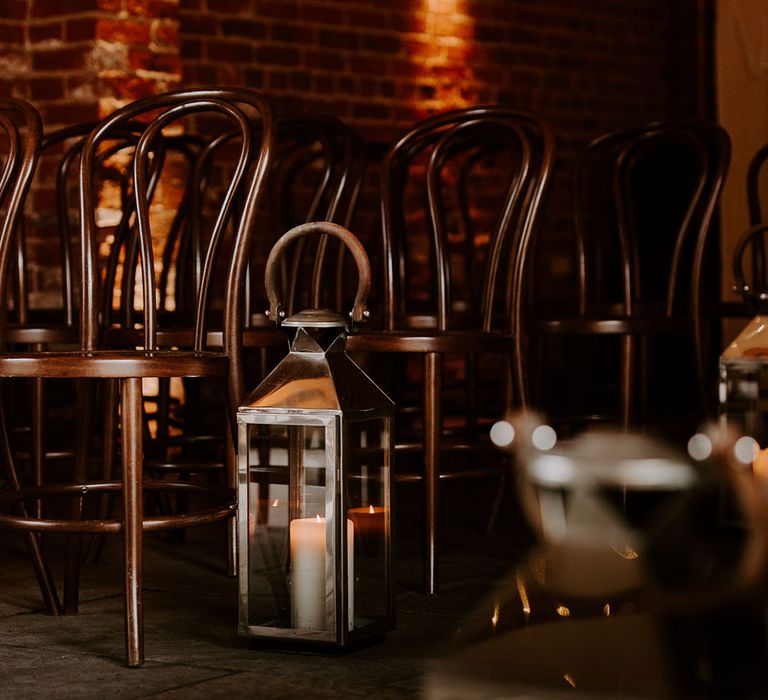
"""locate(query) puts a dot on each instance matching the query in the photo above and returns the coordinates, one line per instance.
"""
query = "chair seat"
(426, 341)
(114, 364)
(42, 334)
(610, 326)
(267, 336)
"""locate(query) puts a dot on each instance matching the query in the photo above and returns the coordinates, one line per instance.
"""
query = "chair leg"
(38, 432)
(131, 405)
(231, 561)
(74, 542)
(432, 432)
(42, 572)
(627, 368)
(109, 445)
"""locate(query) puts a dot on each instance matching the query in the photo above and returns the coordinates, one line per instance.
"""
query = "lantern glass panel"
(292, 550)
(744, 381)
(367, 465)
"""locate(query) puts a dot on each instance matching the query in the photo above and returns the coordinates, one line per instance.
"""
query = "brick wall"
(586, 66)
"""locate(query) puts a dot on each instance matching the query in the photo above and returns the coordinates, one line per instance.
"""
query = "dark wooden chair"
(314, 176)
(21, 137)
(644, 201)
(130, 366)
(433, 309)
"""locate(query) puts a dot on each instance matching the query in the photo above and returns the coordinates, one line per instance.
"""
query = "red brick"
(142, 59)
(83, 86)
(229, 74)
(166, 34)
(277, 81)
(387, 88)
(46, 88)
(156, 9)
(322, 84)
(418, 48)
(371, 110)
(123, 31)
(191, 49)
(70, 58)
(197, 23)
(317, 13)
(291, 33)
(67, 112)
(380, 43)
(337, 39)
(130, 87)
(300, 80)
(409, 22)
(7, 88)
(46, 31)
(451, 26)
(231, 51)
(109, 5)
(15, 9)
(11, 33)
(370, 65)
(271, 55)
(229, 7)
(49, 8)
(199, 74)
(347, 85)
(325, 60)
(283, 9)
(254, 77)
(246, 28)
(80, 29)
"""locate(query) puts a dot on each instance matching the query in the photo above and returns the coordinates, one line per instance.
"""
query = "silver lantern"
(315, 470)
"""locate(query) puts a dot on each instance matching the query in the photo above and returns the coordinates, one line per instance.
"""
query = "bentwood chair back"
(316, 176)
(251, 115)
(645, 200)
(438, 305)
(20, 139)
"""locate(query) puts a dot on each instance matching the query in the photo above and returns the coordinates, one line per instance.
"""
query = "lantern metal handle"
(353, 244)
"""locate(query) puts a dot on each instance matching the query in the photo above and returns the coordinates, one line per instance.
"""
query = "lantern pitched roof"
(317, 381)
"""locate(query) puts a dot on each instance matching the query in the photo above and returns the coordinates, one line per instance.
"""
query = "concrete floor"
(192, 648)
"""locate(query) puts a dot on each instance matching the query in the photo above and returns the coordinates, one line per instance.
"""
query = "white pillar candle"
(307, 541)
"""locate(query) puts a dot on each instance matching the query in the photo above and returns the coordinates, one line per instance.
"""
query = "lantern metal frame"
(319, 386)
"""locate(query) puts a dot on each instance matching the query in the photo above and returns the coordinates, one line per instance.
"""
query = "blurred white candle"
(307, 538)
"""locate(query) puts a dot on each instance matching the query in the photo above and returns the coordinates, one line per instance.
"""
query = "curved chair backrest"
(21, 130)
(251, 115)
(756, 187)
(59, 156)
(316, 177)
(645, 197)
(449, 150)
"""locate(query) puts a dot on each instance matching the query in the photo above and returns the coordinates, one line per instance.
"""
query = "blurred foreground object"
(646, 581)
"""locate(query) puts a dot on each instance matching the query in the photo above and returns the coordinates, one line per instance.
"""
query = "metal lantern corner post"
(315, 470)
(743, 386)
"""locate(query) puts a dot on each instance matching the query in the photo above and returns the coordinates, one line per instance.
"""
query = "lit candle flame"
(569, 679)
(317, 517)
(495, 618)
(607, 609)
(370, 509)
(563, 611)
(274, 503)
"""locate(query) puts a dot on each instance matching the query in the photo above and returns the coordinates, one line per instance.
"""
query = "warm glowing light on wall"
(439, 55)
